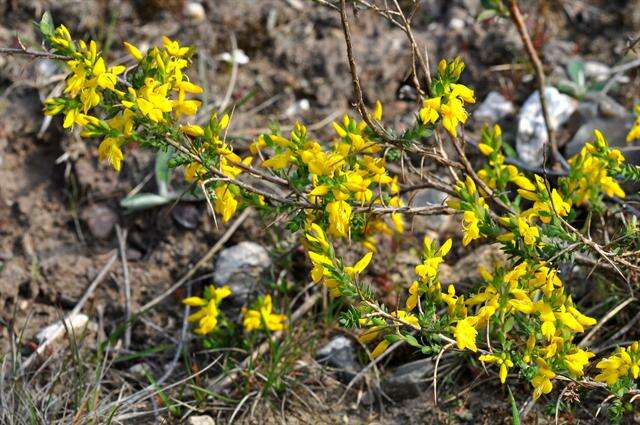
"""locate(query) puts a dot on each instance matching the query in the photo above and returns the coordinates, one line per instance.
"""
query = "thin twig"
(604, 320)
(32, 53)
(516, 17)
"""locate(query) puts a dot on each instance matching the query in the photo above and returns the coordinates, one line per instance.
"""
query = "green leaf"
(486, 14)
(515, 415)
(163, 171)
(576, 72)
(571, 88)
(46, 24)
(143, 201)
(412, 341)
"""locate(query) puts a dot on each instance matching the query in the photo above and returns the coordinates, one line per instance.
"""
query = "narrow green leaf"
(143, 201)
(515, 415)
(46, 24)
(163, 171)
(575, 70)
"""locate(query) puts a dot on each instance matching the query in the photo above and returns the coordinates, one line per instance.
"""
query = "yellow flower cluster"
(95, 99)
(351, 174)
(263, 317)
(474, 207)
(260, 317)
(427, 271)
(449, 98)
(208, 142)
(625, 363)
(592, 173)
(207, 316)
(326, 268)
(531, 292)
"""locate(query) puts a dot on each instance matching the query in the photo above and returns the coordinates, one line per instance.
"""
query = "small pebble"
(186, 215)
(195, 12)
(101, 220)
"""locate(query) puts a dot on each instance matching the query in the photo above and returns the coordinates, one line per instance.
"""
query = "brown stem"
(32, 53)
(516, 17)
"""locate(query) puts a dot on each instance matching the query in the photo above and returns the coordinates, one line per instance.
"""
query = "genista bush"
(520, 318)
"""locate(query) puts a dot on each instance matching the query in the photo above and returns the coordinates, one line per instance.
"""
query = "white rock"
(194, 11)
(494, 107)
(237, 56)
(201, 420)
(532, 133)
(297, 107)
(74, 324)
(456, 24)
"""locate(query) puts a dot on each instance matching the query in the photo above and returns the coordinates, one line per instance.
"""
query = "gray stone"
(240, 266)
(610, 108)
(339, 353)
(494, 107)
(409, 380)
(101, 220)
(200, 420)
(532, 133)
(186, 215)
(588, 110)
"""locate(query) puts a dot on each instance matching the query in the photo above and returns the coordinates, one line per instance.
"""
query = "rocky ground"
(60, 208)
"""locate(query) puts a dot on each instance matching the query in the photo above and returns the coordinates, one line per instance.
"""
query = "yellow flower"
(502, 360)
(485, 149)
(429, 113)
(109, 149)
(524, 183)
(453, 113)
(470, 227)
(279, 161)
(207, 316)
(173, 47)
(225, 203)
(262, 317)
(624, 363)
(377, 111)
(133, 51)
(576, 360)
(192, 130)
(380, 348)
(529, 234)
(542, 380)
(315, 234)
(462, 92)
(339, 218)
(466, 334)
(184, 106)
(152, 100)
(360, 265)
(414, 295)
